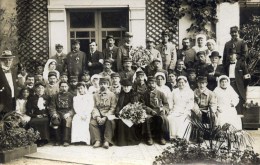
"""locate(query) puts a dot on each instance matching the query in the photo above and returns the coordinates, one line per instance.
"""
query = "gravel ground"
(29, 161)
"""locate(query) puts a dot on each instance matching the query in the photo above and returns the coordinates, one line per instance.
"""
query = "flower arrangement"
(140, 56)
(134, 113)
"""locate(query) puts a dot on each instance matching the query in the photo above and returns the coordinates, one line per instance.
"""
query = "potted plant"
(15, 141)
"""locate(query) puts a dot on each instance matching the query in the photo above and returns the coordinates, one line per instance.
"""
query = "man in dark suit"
(239, 76)
(75, 61)
(187, 54)
(8, 87)
(214, 70)
(235, 43)
(111, 51)
(94, 59)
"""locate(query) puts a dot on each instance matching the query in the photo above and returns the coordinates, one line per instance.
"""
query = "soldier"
(59, 57)
(52, 87)
(187, 54)
(115, 84)
(139, 85)
(102, 129)
(235, 43)
(61, 108)
(111, 52)
(168, 52)
(191, 77)
(73, 81)
(107, 71)
(172, 82)
(155, 67)
(127, 72)
(200, 65)
(75, 61)
(157, 107)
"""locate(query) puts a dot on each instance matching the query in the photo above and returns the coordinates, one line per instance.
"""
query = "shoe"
(97, 144)
(106, 145)
(40, 144)
(150, 141)
(56, 144)
(66, 144)
(162, 141)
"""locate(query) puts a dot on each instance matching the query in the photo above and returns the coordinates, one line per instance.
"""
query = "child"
(22, 75)
(20, 105)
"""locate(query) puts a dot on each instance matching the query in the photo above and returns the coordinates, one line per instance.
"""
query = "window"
(95, 25)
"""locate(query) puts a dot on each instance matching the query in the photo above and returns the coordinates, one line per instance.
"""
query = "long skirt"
(80, 130)
(229, 115)
(41, 125)
(179, 126)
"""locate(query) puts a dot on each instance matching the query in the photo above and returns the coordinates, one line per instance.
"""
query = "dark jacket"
(75, 63)
(32, 109)
(96, 67)
(212, 79)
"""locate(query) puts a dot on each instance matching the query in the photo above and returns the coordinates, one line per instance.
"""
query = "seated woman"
(226, 110)
(161, 81)
(183, 102)
(83, 105)
(36, 108)
(125, 135)
(20, 105)
(50, 65)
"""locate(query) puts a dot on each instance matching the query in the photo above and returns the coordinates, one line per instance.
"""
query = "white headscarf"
(160, 74)
(187, 85)
(229, 88)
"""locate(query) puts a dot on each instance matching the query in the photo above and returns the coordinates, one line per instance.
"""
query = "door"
(95, 24)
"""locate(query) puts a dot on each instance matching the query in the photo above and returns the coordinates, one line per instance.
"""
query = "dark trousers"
(62, 134)
(153, 126)
(101, 132)
(241, 102)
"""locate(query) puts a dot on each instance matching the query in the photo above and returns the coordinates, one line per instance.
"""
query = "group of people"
(79, 96)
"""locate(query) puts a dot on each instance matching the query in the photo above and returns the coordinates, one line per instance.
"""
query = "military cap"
(128, 34)
(201, 53)
(103, 80)
(215, 54)
(151, 78)
(140, 72)
(74, 42)
(58, 46)
(149, 39)
(126, 82)
(114, 75)
(39, 83)
(234, 29)
(202, 79)
(109, 36)
(7, 54)
(127, 59)
(107, 61)
(156, 60)
(52, 73)
(64, 73)
(74, 78)
(95, 76)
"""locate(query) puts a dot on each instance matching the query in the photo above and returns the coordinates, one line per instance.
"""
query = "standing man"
(111, 51)
(75, 61)
(59, 57)
(61, 109)
(123, 50)
(52, 87)
(168, 52)
(8, 87)
(94, 59)
(187, 54)
(239, 76)
(102, 129)
(235, 43)
(157, 107)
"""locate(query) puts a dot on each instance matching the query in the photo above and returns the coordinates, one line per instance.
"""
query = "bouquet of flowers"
(140, 56)
(133, 114)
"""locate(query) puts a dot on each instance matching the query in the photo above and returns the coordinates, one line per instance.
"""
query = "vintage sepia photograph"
(129, 82)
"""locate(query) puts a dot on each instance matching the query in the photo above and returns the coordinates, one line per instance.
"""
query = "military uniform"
(52, 90)
(104, 105)
(127, 74)
(75, 63)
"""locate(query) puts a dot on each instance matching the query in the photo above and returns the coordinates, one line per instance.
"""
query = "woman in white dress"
(50, 66)
(183, 103)
(95, 84)
(227, 99)
(83, 105)
(161, 81)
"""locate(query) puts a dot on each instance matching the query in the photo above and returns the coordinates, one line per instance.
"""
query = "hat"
(156, 60)
(108, 61)
(151, 78)
(39, 83)
(126, 82)
(64, 73)
(202, 79)
(7, 54)
(74, 42)
(114, 75)
(103, 80)
(75, 78)
(149, 39)
(128, 34)
(215, 54)
(160, 74)
(58, 46)
(109, 36)
(127, 59)
(52, 73)
(165, 32)
(234, 29)
(201, 52)
(191, 70)
(140, 72)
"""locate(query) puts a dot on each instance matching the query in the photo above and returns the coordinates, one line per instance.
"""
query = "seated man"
(157, 107)
(102, 129)
(61, 109)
